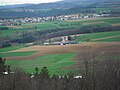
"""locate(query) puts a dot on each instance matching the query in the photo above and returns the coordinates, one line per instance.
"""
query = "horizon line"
(8, 4)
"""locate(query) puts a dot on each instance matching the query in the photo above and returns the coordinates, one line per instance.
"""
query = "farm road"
(105, 38)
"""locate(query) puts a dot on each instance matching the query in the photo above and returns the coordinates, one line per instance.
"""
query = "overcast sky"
(9, 2)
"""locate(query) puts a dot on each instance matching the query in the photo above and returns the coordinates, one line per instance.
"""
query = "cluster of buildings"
(101, 15)
(65, 41)
(19, 21)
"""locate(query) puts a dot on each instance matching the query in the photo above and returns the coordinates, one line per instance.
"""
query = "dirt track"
(106, 37)
(101, 22)
(118, 24)
(42, 50)
(100, 18)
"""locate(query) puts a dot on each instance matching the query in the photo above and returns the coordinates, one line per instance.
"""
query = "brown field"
(100, 18)
(43, 50)
(18, 27)
(106, 37)
(118, 24)
(87, 23)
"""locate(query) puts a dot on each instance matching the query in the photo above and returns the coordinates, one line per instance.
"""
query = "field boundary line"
(105, 38)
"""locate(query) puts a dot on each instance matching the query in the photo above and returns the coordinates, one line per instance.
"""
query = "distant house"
(28, 44)
(105, 15)
(64, 43)
(46, 44)
(61, 43)
(69, 42)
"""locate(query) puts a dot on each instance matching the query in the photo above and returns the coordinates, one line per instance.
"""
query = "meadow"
(7, 49)
(58, 59)
(114, 39)
(16, 30)
(9, 54)
(101, 36)
(56, 63)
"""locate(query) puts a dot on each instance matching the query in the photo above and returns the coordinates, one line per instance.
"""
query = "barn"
(64, 43)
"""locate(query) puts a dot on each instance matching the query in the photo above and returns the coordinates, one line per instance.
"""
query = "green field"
(105, 20)
(106, 9)
(55, 63)
(11, 48)
(115, 39)
(103, 9)
(12, 32)
(93, 36)
(41, 26)
(10, 54)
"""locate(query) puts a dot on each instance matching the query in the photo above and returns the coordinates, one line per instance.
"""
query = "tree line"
(4, 28)
(47, 34)
(32, 36)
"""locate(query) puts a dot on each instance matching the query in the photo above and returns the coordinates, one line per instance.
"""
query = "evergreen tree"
(44, 72)
(8, 69)
(36, 70)
(2, 66)
(69, 38)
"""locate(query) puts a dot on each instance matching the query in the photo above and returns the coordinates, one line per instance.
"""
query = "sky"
(11, 2)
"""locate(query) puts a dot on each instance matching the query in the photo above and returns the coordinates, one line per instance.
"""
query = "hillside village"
(19, 21)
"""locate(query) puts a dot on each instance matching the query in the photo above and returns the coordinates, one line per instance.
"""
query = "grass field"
(114, 39)
(41, 26)
(11, 54)
(58, 59)
(59, 24)
(105, 20)
(100, 35)
(57, 63)
(11, 48)
(54, 62)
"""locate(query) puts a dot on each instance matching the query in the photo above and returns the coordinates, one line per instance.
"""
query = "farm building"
(66, 40)
(62, 43)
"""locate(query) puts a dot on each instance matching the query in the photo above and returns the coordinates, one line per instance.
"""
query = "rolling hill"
(59, 8)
